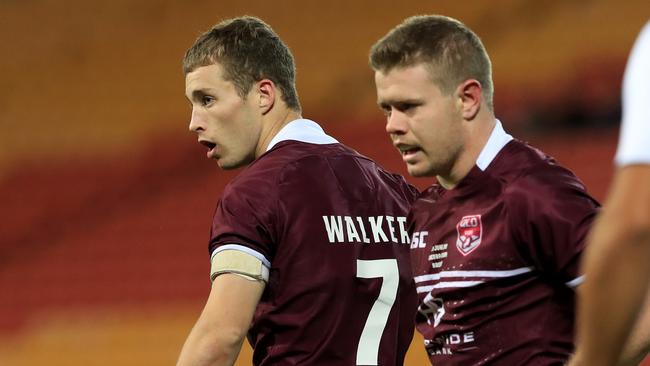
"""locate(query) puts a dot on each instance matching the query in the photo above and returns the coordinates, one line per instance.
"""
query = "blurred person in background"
(496, 243)
(617, 263)
(309, 248)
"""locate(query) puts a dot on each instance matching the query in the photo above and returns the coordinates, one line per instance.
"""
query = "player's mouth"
(408, 152)
(211, 147)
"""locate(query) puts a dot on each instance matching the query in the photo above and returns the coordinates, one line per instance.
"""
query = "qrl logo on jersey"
(470, 232)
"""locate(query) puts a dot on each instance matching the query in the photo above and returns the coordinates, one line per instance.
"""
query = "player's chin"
(230, 163)
(229, 166)
(419, 170)
(226, 164)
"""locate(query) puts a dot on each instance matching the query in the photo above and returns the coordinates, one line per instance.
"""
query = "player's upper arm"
(239, 260)
(629, 200)
(229, 311)
(217, 337)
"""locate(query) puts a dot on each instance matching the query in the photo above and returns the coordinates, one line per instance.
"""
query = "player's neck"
(272, 123)
(477, 134)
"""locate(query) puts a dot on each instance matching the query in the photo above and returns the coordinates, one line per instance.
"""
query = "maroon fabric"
(522, 223)
(314, 307)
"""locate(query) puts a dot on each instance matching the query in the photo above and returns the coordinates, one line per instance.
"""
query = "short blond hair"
(249, 51)
(451, 48)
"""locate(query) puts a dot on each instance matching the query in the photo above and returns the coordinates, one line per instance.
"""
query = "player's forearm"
(204, 348)
(617, 271)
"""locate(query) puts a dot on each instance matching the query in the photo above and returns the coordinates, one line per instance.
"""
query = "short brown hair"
(249, 51)
(439, 40)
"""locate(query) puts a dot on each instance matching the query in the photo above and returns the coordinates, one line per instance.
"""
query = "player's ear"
(470, 97)
(267, 93)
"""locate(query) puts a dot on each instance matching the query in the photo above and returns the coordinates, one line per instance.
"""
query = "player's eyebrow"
(197, 94)
(385, 103)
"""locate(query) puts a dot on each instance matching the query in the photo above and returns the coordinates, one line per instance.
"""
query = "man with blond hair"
(497, 241)
(309, 248)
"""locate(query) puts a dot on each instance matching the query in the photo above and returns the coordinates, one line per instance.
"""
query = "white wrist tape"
(240, 263)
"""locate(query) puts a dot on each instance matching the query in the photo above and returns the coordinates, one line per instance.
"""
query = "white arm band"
(240, 263)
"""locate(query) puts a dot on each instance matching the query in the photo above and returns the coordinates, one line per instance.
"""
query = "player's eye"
(386, 109)
(405, 107)
(206, 100)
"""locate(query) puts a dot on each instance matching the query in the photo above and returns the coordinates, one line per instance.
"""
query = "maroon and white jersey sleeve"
(551, 214)
(332, 226)
(245, 217)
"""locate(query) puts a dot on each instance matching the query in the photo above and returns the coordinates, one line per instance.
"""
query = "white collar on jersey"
(498, 139)
(303, 130)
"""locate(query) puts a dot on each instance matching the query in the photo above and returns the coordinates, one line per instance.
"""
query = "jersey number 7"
(368, 348)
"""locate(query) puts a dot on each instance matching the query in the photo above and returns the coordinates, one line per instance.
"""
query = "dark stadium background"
(106, 198)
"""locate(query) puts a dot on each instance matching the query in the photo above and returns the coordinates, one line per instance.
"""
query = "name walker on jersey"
(366, 229)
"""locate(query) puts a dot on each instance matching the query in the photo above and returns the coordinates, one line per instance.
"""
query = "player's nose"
(396, 123)
(196, 122)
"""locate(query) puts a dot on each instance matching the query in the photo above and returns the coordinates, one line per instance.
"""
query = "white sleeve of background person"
(634, 141)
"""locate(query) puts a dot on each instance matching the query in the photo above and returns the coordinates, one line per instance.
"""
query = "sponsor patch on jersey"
(470, 232)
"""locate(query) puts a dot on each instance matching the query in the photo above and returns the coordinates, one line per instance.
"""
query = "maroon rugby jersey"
(332, 224)
(495, 260)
